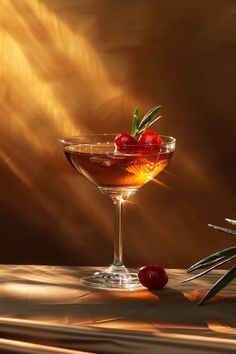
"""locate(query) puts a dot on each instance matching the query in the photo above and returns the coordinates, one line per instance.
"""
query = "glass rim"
(67, 140)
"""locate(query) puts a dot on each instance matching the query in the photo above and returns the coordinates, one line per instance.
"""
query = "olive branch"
(215, 260)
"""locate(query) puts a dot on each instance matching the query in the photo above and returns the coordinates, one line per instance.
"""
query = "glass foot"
(110, 280)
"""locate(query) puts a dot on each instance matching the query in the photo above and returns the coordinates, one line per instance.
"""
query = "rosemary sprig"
(147, 121)
(135, 121)
(148, 116)
(149, 124)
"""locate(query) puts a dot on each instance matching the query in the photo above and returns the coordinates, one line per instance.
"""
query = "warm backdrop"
(76, 66)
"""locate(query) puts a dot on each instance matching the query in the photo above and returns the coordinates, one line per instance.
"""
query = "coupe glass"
(118, 174)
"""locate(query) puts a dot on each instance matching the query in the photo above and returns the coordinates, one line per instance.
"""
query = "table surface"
(44, 309)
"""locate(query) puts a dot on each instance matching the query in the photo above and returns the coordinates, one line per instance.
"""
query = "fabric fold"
(32, 334)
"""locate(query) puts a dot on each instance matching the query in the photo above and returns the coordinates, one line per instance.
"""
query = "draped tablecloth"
(44, 309)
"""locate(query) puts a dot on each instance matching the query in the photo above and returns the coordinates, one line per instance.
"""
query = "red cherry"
(153, 276)
(151, 140)
(125, 142)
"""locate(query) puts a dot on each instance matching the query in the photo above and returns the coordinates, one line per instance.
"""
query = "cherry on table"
(153, 276)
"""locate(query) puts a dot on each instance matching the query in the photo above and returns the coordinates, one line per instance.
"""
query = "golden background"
(77, 66)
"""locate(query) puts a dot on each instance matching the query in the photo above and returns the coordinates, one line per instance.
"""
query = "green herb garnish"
(135, 121)
(147, 121)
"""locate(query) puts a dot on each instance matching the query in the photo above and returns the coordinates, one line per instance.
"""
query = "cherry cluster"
(148, 141)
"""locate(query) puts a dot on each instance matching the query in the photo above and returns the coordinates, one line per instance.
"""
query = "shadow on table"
(52, 296)
(72, 304)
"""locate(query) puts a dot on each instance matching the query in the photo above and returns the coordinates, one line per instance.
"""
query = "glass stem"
(118, 240)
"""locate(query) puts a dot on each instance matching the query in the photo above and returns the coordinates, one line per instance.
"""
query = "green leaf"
(215, 257)
(135, 121)
(208, 270)
(221, 283)
(148, 116)
(150, 124)
(206, 264)
(230, 221)
(223, 229)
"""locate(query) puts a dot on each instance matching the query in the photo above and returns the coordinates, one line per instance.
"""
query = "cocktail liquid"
(105, 167)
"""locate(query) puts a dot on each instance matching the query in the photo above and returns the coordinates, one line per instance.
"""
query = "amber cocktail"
(118, 174)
